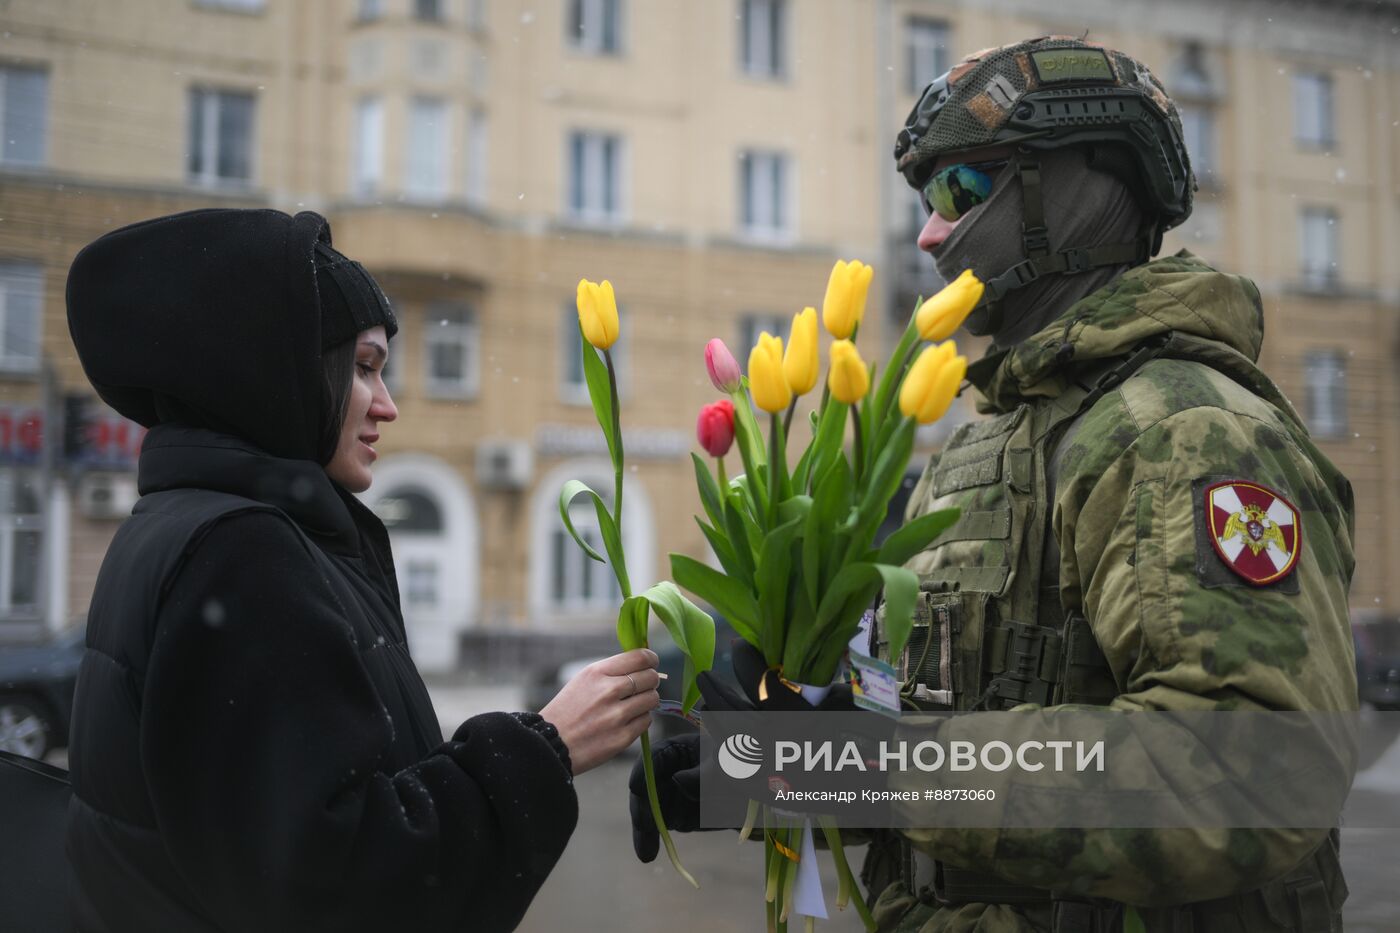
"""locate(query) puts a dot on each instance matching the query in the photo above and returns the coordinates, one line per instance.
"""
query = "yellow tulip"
(944, 312)
(932, 383)
(767, 383)
(597, 313)
(844, 305)
(849, 379)
(800, 362)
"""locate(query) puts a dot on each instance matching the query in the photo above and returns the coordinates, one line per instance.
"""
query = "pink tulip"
(715, 426)
(723, 368)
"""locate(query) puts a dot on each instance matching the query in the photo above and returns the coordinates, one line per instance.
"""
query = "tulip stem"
(787, 419)
(722, 479)
(894, 375)
(775, 451)
(858, 448)
(617, 464)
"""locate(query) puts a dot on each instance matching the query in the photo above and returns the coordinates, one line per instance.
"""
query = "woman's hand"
(605, 707)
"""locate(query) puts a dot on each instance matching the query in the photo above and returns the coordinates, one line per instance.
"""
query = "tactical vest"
(991, 632)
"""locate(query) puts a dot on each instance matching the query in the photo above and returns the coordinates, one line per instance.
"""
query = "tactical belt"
(939, 884)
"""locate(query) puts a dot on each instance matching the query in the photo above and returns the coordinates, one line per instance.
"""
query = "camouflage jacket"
(1177, 627)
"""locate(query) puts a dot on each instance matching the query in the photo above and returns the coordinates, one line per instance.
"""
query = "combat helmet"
(1046, 93)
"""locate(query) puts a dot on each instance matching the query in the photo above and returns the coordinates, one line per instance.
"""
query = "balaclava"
(1083, 208)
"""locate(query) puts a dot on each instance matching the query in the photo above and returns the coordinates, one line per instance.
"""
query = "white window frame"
(573, 387)
(8, 126)
(461, 330)
(928, 47)
(1198, 126)
(425, 172)
(478, 152)
(763, 38)
(1325, 383)
(767, 207)
(367, 11)
(210, 102)
(13, 524)
(1314, 109)
(438, 11)
(367, 170)
(21, 292)
(1318, 254)
(585, 26)
(595, 162)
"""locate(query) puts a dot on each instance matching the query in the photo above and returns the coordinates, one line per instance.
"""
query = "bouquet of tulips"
(796, 546)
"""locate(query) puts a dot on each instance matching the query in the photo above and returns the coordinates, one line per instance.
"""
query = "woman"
(252, 747)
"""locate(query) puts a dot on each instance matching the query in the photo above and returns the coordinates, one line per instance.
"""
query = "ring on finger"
(634, 687)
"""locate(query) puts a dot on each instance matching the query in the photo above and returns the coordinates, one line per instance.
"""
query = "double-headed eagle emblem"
(1253, 525)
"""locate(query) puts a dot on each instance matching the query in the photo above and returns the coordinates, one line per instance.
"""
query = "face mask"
(1083, 208)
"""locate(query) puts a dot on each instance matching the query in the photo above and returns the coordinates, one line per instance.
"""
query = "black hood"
(208, 318)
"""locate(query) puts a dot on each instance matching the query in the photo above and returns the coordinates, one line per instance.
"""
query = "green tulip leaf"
(709, 491)
(632, 623)
(612, 541)
(915, 536)
(730, 598)
(595, 375)
(691, 628)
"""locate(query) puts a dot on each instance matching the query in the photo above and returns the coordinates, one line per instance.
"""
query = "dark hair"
(337, 375)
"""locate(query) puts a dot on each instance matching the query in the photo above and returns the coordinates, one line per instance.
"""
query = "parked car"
(1378, 662)
(36, 693)
(550, 681)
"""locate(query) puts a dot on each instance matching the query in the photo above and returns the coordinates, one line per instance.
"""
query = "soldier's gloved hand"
(751, 670)
(677, 765)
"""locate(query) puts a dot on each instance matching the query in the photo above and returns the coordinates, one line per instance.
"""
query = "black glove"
(677, 765)
(751, 670)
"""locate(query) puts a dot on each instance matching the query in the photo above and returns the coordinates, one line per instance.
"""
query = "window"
(426, 163)
(594, 26)
(24, 95)
(428, 11)
(368, 145)
(1325, 375)
(1198, 124)
(21, 543)
(450, 349)
(576, 581)
(595, 177)
(572, 387)
(476, 14)
(1312, 108)
(421, 584)
(21, 304)
(1318, 248)
(368, 10)
(764, 196)
(927, 52)
(751, 325)
(478, 146)
(221, 137)
(762, 33)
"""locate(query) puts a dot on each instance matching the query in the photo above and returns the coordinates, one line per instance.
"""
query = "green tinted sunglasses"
(956, 189)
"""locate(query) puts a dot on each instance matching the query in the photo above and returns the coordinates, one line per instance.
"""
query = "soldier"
(1133, 510)
(1145, 525)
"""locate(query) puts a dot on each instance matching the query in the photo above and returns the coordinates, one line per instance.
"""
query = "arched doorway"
(433, 526)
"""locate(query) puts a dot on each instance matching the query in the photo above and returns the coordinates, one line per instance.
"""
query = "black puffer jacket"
(252, 748)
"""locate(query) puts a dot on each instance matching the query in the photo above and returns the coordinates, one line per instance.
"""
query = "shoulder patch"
(1254, 530)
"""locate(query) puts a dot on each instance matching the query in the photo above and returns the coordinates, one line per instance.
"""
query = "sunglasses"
(955, 189)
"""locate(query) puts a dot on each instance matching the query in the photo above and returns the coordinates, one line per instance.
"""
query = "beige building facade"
(712, 159)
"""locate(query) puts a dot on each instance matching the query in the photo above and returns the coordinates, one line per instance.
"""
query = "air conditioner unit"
(504, 464)
(106, 495)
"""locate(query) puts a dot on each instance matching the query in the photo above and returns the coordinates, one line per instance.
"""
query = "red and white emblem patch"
(1256, 531)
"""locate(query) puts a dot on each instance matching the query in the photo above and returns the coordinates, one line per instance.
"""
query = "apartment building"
(712, 159)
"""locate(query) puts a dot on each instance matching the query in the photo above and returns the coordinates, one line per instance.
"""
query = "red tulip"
(715, 427)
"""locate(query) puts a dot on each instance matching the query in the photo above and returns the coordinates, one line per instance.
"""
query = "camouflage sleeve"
(1181, 634)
